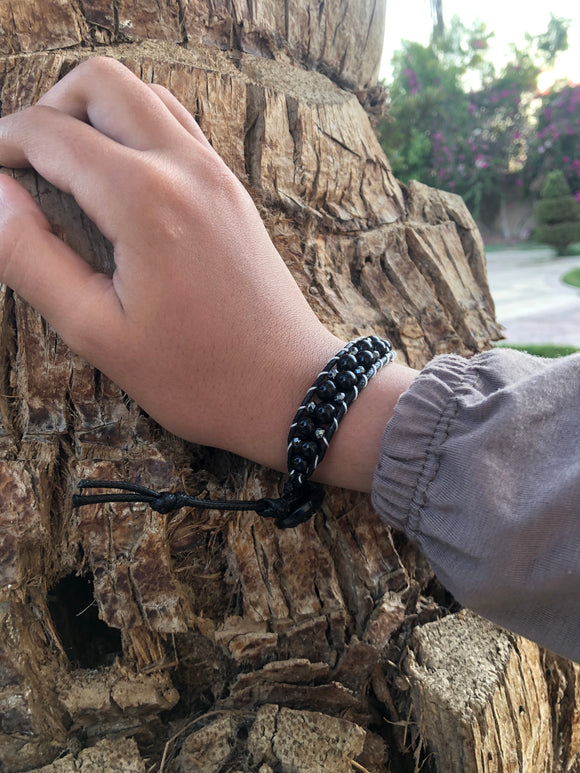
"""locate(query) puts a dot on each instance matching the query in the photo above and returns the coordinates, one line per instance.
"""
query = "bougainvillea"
(459, 125)
(556, 143)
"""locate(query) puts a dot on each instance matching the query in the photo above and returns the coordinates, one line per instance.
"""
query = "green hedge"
(558, 235)
(555, 185)
(558, 209)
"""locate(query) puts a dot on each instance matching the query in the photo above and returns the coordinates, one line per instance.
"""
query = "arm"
(201, 322)
(481, 468)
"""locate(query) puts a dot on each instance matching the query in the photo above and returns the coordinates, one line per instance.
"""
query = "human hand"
(201, 322)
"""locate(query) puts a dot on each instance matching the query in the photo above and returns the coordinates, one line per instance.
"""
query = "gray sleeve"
(480, 466)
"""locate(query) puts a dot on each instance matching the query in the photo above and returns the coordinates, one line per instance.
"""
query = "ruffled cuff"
(409, 460)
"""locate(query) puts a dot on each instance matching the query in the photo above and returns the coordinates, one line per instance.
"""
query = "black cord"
(296, 505)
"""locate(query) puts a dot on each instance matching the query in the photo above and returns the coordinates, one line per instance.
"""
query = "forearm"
(201, 322)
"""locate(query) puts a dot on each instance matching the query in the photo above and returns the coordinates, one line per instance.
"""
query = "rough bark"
(133, 641)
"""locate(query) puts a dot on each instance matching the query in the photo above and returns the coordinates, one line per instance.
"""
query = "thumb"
(72, 296)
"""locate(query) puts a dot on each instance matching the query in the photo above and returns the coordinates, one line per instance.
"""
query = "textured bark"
(209, 642)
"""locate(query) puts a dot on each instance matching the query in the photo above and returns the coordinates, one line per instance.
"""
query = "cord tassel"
(296, 505)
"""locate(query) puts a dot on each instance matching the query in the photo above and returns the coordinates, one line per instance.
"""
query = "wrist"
(354, 449)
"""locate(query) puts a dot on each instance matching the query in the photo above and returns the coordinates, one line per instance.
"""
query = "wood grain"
(251, 649)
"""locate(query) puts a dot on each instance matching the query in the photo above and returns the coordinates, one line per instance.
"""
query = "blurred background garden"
(484, 101)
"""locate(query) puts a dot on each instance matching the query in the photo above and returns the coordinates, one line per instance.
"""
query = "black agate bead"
(346, 362)
(308, 449)
(366, 358)
(305, 427)
(327, 390)
(324, 413)
(365, 345)
(299, 464)
(382, 347)
(346, 380)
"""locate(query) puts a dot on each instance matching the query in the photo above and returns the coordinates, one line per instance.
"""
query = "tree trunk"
(208, 642)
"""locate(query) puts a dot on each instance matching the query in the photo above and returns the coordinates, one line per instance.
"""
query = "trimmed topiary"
(558, 214)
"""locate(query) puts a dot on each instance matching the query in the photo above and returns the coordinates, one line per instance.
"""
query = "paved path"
(532, 303)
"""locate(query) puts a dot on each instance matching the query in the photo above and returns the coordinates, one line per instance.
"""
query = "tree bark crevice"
(288, 647)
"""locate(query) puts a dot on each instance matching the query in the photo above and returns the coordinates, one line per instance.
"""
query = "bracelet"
(328, 400)
(317, 419)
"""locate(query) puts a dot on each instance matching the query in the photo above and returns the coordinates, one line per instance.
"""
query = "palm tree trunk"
(212, 642)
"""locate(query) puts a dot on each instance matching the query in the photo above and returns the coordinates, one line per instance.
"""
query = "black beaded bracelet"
(328, 400)
(316, 421)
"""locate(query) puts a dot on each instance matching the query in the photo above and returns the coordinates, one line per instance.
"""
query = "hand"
(201, 322)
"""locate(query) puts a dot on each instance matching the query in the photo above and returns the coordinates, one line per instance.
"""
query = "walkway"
(532, 303)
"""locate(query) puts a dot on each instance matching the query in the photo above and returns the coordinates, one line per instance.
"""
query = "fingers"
(179, 112)
(104, 93)
(75, 299)
(73, 156)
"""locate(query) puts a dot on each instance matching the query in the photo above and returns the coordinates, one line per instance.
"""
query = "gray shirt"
(480, 465)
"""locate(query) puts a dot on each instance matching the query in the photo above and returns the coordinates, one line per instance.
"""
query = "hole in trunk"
(87, 641)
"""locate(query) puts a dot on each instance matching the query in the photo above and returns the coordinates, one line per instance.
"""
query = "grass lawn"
(572, 277)
(541, 350)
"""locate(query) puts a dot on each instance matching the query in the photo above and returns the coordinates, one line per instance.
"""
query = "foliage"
(555, 186)
(471, 140)
(556, 141)
(557, 213)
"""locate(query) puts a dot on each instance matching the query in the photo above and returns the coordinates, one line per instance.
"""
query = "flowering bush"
(556, 144)
(472, 141)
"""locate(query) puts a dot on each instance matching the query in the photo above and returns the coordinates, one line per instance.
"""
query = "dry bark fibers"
(133, 641)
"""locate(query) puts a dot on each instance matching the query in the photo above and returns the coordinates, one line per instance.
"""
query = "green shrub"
(557, 213)
(555, 186)
(557, 209)
(558, 235)
(572, 277)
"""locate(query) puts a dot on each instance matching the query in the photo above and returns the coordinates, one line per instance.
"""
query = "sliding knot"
(168, 501)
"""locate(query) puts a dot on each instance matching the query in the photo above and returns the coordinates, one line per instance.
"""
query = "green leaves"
(458, 124)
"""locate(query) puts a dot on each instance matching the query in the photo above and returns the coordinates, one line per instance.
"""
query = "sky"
(411, 20)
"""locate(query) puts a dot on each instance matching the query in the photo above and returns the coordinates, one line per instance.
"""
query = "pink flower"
(577, 197)
(519, 182)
